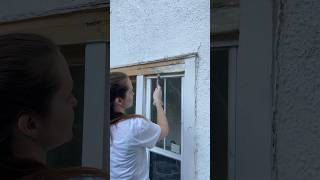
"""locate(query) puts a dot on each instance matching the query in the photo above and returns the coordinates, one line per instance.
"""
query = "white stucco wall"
(297, 116)
(12, 10)
(150, 30)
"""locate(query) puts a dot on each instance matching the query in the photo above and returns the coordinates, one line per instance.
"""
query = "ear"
(28, 126)
(118, 101)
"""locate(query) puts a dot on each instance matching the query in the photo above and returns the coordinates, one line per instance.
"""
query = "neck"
(29, 150)
(118, 109)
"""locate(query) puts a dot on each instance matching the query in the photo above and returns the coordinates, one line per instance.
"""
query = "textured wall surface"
(297, 115)
(12, 10)
(149, 30)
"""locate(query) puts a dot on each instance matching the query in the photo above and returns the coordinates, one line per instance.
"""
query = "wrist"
(157, 103)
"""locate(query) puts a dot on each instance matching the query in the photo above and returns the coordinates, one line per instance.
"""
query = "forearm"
(162, 121)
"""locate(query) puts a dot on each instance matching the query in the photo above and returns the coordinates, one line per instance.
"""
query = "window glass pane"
(173, 111)
(219, 120)
(153, 108)
(132, 109)
(163, 168)
(171, 93)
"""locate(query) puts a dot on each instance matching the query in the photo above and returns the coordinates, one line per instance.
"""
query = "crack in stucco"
(196, 114)
(196, 109)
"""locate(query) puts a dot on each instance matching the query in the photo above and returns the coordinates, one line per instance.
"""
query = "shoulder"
(135, 116)
(144, 126)
(139, 122)
(131, 122)
(126, 117)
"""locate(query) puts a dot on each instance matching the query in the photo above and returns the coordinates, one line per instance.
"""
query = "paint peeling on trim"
(168, 69)
(178, 57)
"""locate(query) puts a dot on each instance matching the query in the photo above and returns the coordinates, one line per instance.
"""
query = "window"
(173, 157)
(223, 80)
(171, 93)
(220, 112)
(166, 156)
(162, 167)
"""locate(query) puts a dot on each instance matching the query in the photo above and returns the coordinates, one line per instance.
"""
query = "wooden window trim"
(164, 65)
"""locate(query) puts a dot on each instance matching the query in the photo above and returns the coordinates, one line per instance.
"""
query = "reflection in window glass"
(153, 109)
(173, 111)
(132, 109)
(171, 91)
(163, 168)
(70, 154)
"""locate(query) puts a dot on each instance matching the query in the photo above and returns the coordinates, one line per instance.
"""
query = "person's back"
(128, 144)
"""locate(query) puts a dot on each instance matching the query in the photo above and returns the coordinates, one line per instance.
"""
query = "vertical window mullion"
(165, 106)
(148, 99)
(148, 110)
(182, 122)
(139, 94)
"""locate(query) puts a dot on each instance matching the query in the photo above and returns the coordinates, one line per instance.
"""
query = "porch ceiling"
(10, 12)
(225, 16)
(78, 27)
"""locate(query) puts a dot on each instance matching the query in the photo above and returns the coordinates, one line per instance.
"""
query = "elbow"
(167, 132)
(164, 133)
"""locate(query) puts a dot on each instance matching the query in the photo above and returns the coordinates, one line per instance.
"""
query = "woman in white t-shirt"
(132, 134)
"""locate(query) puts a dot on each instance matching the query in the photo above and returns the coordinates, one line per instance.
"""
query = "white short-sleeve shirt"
(128, 143)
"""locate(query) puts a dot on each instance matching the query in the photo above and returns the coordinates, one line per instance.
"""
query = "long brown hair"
(27, 81)
(118, 88)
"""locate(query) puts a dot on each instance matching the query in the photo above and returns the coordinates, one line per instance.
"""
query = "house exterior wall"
(297, 94)
(149, 30)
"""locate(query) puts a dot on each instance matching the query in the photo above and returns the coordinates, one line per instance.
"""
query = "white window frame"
(148, 101)
(187, 156)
